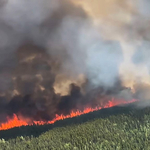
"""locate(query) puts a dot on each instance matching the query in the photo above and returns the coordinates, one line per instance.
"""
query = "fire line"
(16, 122)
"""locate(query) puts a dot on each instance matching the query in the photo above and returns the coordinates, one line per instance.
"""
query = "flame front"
(16, 122)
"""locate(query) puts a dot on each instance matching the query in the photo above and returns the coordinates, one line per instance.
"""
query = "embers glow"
(16, 122)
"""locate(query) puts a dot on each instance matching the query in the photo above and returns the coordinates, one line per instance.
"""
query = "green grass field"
(117, 128)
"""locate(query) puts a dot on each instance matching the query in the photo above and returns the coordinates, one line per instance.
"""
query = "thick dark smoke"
(43, 40)
(32, 94)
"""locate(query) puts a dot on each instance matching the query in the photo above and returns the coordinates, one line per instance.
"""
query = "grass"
(118, 128)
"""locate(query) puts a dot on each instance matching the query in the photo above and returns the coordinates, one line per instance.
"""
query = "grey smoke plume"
(65, 31)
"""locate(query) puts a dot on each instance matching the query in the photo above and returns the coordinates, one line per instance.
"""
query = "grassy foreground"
(118, 128)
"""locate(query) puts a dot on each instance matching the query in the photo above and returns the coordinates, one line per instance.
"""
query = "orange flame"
(16, 122)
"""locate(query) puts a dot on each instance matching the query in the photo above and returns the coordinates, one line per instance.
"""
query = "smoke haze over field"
(60, 55)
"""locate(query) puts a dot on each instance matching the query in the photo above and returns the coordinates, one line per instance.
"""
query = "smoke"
(59, 55)
(127, 22)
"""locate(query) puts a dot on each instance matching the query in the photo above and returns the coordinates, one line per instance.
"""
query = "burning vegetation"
(32, 98)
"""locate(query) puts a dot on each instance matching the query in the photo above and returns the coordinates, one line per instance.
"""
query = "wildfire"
(16, 122)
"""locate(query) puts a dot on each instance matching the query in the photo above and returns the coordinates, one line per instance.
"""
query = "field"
(117, 128)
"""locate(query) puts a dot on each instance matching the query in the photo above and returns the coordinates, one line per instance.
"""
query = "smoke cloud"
(59, 55)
